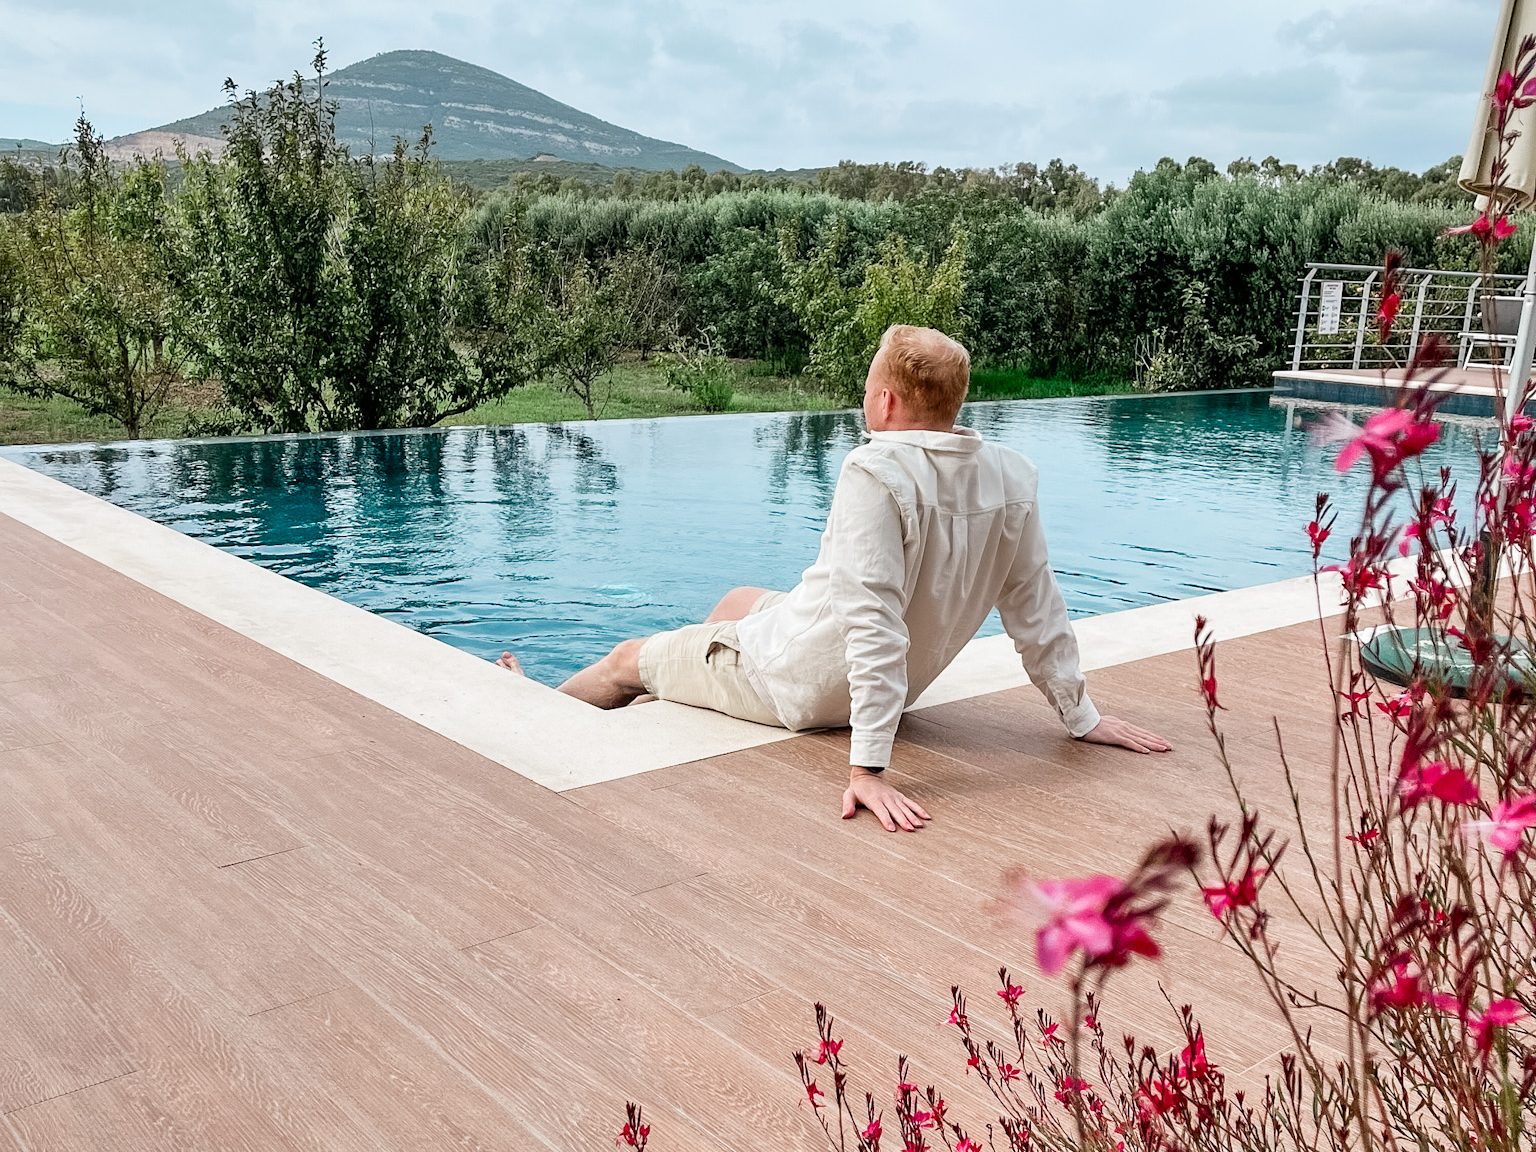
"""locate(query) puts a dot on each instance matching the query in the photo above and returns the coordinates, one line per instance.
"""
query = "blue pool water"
(557, 541)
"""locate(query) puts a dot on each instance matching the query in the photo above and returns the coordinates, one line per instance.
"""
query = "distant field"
(638, 390)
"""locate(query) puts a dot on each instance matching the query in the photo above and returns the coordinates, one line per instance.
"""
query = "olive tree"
(326, 291)
(87, 303)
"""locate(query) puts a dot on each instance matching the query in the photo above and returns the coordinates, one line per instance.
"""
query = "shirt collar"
(963, 440)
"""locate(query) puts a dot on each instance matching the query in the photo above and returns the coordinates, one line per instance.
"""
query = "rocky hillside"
(476, 114)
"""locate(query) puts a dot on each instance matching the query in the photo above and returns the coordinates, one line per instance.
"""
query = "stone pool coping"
(519, 723)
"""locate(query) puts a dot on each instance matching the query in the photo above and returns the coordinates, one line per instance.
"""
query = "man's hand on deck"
(1123, 734)
(867, 790)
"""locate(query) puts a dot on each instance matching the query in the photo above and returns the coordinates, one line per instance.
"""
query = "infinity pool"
(557, 541)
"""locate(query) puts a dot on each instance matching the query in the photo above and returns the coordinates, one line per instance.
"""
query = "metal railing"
(1336, 319)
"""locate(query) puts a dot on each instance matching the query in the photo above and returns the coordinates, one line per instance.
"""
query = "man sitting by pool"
(930, 529)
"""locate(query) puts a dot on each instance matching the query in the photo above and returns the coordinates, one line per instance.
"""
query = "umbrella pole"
(1525, 345)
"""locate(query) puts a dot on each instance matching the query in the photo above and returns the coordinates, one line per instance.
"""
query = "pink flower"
(629, 1137)
(815, 1095)
(1008, 1072)
(924, 1120)
(1318, 535)
(1400, 705)
(1365, 838)
(1500, 1014)
(1048, 1034)
(1080, 920)
(1077, 920)
(967, 1145)
(1520, 422)
(1504, 90)
(828, 1050)
(1438, 781)
(1387, 313)
(1156, 1098)
(1506, 826)
(1502, 229)
(1403, 987)
(1192, 1061)
(1480, 229)
(871, 1133)
(1357, 578)
(1389, 438)
(903, 1090)
(956, 1017)
(1240, 893)
(1011, 994)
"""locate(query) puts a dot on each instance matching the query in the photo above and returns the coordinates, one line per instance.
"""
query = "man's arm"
(1035, 617)
(867, 554)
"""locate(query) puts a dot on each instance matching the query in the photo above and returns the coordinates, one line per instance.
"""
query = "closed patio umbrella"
(1517, 20)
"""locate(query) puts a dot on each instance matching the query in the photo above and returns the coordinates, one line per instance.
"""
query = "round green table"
(1403, 655)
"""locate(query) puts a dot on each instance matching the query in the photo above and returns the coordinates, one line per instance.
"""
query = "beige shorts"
(700, 665)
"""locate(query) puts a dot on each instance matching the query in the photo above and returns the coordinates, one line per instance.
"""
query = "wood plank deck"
(244, 908)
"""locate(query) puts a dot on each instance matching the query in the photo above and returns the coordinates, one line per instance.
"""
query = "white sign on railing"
(1330, 306)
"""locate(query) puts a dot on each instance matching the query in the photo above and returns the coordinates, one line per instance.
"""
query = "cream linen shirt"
(928, 532)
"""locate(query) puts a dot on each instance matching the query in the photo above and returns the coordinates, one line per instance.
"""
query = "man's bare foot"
(509, 662)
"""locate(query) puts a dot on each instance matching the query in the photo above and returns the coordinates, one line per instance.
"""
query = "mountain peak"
(475, 113)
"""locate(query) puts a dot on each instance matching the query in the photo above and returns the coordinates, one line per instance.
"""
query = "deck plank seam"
(71, 1092)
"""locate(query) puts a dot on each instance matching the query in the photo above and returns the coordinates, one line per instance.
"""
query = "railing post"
(1418, 314)
(1301, 317)
(1365, 311)
(1466, 319)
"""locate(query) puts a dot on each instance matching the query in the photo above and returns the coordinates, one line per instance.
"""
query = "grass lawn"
(636, 390)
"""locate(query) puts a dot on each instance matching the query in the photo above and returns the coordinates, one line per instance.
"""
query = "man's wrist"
(857, 770)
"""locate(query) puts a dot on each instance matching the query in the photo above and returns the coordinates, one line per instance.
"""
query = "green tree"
(846, 320)
(326, 291)
(87, 308)
(586, 315)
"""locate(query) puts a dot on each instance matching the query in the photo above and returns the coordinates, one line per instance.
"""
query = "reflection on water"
(560, 540)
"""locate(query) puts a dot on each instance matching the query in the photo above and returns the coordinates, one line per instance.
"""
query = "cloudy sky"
(1111, 85)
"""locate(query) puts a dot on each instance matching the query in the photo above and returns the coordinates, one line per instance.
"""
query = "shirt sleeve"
(1035, 617)
(867, 554)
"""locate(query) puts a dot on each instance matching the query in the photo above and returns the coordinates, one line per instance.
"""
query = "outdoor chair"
(1497, 340)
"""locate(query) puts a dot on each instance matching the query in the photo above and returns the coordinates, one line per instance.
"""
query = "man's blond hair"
(927, 369)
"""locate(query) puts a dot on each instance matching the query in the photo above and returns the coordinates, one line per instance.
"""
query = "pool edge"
(521, 724)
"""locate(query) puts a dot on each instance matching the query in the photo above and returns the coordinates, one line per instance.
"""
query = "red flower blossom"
(1402, 987)
(815, 1095)
(1011, 994)
(1438, 781)
(1520, 422)
(956, 1018)
(1049, 1034)
(1480, 229)
(1192, 1061)
(1387, 313)
(1389, 438)
(1358, 578)
(1240, 893)
(1156, 1098)
(1081, 920)
(1318, 535)
(1355, 700)
(630, 1137)
(924, 1120)
(903, 1090)
(967, 1145)
(1504, 90)
(828, 1050)
(1500, 1014)
(1502, 229)
(1366, 837)
(1008, 1073)
(871, 1132)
